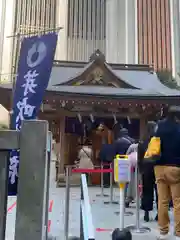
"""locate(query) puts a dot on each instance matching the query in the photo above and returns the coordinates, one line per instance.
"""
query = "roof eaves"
(77, 75)
(112, 72)
(124, 96)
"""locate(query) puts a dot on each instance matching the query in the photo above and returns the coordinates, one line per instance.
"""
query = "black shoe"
(146, 216)
(156, 218)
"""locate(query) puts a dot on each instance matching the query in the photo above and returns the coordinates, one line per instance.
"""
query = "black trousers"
(148, 188)
(106, 177)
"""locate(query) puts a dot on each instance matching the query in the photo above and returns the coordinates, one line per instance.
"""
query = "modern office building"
(159, 34)
(126, 31)
(21, 18)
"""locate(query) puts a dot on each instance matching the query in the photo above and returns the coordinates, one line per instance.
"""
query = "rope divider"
(86, 170)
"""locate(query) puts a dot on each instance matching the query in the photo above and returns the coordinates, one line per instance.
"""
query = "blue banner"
(34, 69)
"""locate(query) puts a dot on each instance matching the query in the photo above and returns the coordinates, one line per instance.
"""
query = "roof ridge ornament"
(97, 55)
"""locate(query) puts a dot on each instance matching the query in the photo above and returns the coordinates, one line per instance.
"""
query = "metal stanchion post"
(137, 228)
(126, 213)
(102, 184)
(67, 203)
(121, 205)
(111, 187)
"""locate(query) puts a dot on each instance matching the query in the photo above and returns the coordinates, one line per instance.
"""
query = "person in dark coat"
(106, 156)
(121, 145)
(123, 142)
(147, 172)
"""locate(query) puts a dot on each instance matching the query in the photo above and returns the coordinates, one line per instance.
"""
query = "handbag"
(153, 151)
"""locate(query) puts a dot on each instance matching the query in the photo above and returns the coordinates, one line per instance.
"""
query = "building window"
(35, 15)
(87, 19)
(31, 17)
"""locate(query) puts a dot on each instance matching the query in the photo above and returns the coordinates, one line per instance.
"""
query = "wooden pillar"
(62, 145)
(143, 126)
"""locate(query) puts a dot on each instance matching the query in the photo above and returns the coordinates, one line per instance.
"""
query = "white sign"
(124, 170)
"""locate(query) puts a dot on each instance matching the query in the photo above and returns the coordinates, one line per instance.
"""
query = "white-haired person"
(85, 158)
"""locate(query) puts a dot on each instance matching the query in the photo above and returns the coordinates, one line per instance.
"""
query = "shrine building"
(81, 92)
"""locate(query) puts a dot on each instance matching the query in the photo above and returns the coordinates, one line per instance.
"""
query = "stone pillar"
(62, 145)
(32, 186)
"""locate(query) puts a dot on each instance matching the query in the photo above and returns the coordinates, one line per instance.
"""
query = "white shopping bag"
(133, 158)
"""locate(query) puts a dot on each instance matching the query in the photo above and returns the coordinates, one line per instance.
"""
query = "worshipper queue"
(157, 156)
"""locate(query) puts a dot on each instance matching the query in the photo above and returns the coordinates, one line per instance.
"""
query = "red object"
(11, 207)
(84, 170)
(51, 205)
(50, 211)
(106, 164)
(103, 230)
(49, 226)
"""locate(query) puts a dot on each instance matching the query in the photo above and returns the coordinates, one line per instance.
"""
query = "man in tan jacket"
(167, 171)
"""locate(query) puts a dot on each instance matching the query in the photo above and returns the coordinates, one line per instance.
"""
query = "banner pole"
(36, 32)
(67, 203)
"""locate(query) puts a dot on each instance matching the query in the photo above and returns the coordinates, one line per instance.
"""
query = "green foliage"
(166, 78)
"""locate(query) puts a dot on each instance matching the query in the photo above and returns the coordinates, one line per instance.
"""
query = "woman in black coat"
(147, 172)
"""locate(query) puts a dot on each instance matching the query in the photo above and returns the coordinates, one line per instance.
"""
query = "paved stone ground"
(104, 216)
